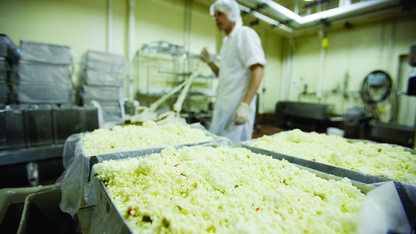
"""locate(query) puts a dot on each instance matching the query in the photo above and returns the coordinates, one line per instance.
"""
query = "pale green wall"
(79, 24)
(355, 52)
(82, 25)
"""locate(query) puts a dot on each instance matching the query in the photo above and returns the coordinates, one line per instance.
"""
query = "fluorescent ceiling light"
(265, 18)
(297, 21)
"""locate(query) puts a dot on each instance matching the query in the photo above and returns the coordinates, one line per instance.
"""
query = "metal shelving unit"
(160, 66)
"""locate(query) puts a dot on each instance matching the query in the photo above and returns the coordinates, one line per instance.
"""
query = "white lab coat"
(240, 50)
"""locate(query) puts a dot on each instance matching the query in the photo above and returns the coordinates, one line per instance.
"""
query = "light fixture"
(265, 19)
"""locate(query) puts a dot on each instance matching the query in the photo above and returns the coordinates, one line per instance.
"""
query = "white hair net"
(230, 8)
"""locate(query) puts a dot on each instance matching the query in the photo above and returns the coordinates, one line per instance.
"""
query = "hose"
(370, 102)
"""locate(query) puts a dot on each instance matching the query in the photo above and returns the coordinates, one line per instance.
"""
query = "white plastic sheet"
(45, 53)
(30, 93)
(103, 78)
(105, 62)
(41, 83)
(383, 212)
(42, 73)
(99, 93)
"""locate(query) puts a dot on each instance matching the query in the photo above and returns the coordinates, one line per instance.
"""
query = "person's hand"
(204, 56)
(240, 115)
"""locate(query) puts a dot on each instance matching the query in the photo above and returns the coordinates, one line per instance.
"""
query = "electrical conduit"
(132, 3)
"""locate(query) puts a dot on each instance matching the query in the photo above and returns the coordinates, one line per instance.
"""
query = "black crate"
(38, 121)
(69, 120)
(7, 48)
(4, 69)
(12, 133)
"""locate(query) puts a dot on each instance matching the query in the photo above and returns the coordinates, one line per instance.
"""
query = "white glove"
(204, 56)
(240, 115)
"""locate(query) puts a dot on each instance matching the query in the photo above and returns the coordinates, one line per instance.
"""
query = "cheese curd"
(227, 190)
(132, 136)
(381, 160)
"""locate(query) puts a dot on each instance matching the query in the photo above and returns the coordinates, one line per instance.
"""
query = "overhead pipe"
(266, 19)
(130, 51)
(284, 14)
(375, 16)
(348, 10)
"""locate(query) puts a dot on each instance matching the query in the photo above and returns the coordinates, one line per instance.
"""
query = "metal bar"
(176, 73)
(8, 157)
(326, 168)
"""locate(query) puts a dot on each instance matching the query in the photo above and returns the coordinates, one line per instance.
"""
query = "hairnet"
(229, 7)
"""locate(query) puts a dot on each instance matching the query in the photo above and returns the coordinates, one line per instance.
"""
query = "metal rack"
(160, 66)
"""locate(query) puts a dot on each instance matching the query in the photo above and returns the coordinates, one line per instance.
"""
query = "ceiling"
(302, 9)
(301, 5)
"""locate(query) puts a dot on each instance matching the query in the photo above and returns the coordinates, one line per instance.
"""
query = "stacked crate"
(11, 118)
(4, 89)
(42, 74)
(41, 79)
(8, 55)
(39, 112)
(102, 78)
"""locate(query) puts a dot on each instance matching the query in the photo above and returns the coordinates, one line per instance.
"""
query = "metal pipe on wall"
(321, 73)
(282, 82)
(110, 27)
(381, 44)
(188, 25)
(391, 43)
(130, 51)
(288, 70)
(324, 46)
(296, 8)
(188, 30)
(294, 94)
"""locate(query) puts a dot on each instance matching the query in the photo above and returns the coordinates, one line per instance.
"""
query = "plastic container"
(41, 214)
(4, 69)
(12, 133)
(7, 48)
(38, 121)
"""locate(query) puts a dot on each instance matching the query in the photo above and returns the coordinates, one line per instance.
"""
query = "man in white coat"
(240, 73)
